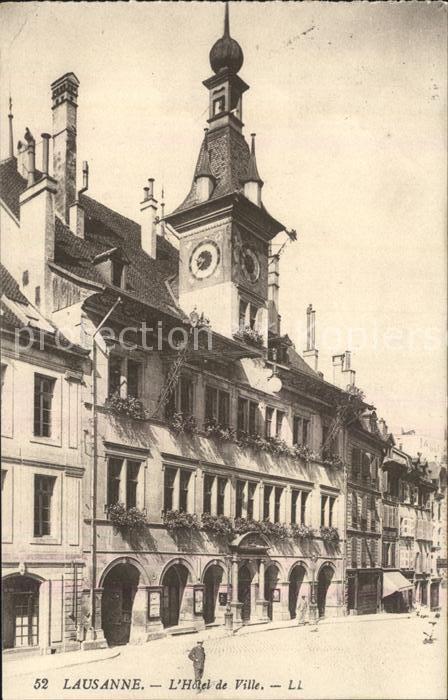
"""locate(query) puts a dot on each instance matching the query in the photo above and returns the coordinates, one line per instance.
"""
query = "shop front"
(397, 592)
(364, 591)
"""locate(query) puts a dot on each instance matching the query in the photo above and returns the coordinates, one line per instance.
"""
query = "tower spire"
(226, 20)
(11, 135)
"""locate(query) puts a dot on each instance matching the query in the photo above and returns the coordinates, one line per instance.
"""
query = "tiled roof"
(228, 154)
(9, 287)
(12, 185)
(105, 228)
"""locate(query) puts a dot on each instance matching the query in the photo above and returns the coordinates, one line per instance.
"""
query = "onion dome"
(226, 53)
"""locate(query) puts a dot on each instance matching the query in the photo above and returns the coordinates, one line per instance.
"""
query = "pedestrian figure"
(197, 656)
(302, 611)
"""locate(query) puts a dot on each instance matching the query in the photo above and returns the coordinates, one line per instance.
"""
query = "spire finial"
(226, 20)
(252, 146)
(11, 136)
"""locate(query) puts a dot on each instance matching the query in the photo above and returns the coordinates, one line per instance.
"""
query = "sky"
(348, 101)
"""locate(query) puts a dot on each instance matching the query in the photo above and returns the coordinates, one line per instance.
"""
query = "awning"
(393, 581)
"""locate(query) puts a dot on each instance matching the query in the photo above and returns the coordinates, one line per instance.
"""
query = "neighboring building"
(42, 471)
(408, 498)
(366, 447)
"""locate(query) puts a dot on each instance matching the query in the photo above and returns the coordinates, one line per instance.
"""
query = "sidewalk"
(349, 619)
(41, 663)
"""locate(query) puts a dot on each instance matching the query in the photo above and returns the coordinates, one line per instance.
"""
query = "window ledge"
(53, 442)
(45, 540)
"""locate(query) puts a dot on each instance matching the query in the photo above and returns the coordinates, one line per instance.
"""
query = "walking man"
(302, 611)
(197, 656)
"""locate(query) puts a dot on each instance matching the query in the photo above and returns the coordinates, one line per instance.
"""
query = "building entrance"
(296, 578)
(20, 612)
(173, 587)
(324, 580)
(212, 581)
(119, 589)
(244, 597)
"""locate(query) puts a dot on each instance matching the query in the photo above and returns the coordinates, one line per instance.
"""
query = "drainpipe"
(93, 480)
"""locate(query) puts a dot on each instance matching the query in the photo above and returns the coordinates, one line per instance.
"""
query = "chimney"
(148, 209)
(37, 229)
(311, 354)
(31, 169)
(76, 210)
(343, 374)
(273, 288)
(22, 155)
(45, 153)
(252, 181)
(64, 94)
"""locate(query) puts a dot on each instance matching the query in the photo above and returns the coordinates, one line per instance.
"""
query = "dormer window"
(112, 265)
(117, 273)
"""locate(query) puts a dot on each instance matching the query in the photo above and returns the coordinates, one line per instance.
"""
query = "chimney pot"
(145, 194)
(45, 153)
(151, 187)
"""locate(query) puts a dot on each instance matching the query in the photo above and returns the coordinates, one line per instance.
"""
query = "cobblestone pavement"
(374, 659)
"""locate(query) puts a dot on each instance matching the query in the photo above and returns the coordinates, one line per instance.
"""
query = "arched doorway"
(296, 578)
(244, 583)
(20, 612)
(119, 589)
(212, 580)
(270, 583)
(324, 579)
(173, 587)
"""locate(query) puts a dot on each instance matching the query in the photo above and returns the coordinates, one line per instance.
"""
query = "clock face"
(204, 260)
(250, 264)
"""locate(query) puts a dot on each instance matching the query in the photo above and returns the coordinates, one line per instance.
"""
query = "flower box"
(218, 524)
(249, 335)
(329, 534)
(183, 424)
(220, 432)
(127, 406)
(126, 518)
(179, 520)
(302, 532)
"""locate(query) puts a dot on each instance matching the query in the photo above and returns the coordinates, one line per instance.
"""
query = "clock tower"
(224, 230)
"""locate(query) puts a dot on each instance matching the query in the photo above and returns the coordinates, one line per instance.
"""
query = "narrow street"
(355, 659)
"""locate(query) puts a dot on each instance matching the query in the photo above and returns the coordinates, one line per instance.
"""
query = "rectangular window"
(252, 316)
(114, 467)
(296, 429)
(247, 416)
(25, 278)
(266, 502)
(356, 462)
(114, 374)
(277, 503)
(324, 434)
(170, 476)
(43, 492)
(279, 424)
(239, 499)
(208, 485)
(117, 273)
(303, 501)
(331, 502)
(183, 492)
(221, 496)
(253, 407)
(268, 421)
(211, 403)
(3, 377)
(294, 501)
(133, 377)
(250, 500)
(170, 406)
(186, 396)
(224, 408)
(132, 471)
(323, 506)
(37, 296)
(43, 400)
(305, 432)
(243, 313)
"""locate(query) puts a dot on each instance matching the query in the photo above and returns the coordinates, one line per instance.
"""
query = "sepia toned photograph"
(223, 350)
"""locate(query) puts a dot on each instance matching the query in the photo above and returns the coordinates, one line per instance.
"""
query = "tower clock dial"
(204, 260)
(250, 264)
